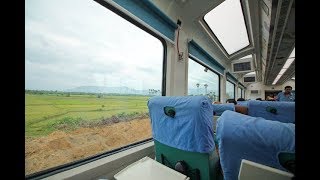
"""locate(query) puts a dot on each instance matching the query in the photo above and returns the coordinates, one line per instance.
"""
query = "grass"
(48, 112)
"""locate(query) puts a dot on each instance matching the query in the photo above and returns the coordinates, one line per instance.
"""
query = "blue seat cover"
(242, 103)
(285, 110)
(253, 138)
(192, 127)
(220, 108)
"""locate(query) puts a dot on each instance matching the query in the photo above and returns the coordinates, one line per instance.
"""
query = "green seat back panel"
(288, 161)
(207, 163)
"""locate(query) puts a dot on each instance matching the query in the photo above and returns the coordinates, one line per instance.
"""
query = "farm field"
(61, 129)
(47, 113)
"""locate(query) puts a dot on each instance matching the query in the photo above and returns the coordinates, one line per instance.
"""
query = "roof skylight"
(250, 73)
(227, 23)
(249, 56)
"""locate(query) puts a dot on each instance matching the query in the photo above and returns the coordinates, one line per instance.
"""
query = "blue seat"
(243, 103)
(272, 110)
(218, 109)
(252, 138)
(182, 129)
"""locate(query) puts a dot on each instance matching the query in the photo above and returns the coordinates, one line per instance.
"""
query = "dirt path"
(60, 147)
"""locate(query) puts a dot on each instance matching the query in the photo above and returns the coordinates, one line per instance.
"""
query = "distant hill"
(104, 89)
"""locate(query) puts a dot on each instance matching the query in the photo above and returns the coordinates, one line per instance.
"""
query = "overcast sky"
(81, 43)
(197, 74)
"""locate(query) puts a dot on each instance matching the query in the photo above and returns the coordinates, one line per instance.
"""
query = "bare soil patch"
(61, 147)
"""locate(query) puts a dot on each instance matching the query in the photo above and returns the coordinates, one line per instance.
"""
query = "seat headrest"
(183, 122)
(272, 110)
(253, 138)
(218, 109)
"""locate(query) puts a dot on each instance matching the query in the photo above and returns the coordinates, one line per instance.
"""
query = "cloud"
(86, 44)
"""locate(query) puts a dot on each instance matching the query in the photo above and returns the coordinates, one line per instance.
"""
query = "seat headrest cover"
(220, 108)
(253, 138)
(242, 103)
(272, 110)
(191, 128)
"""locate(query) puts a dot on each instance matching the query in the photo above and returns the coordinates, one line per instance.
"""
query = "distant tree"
(212, 96)
(198, 88)
(228, 96)
(205, 87)
(215, 97)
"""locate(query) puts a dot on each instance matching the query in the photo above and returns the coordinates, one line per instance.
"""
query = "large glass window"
(244, 93)
(202, 81)
(239, 92)
(230, 90)
(88, 76)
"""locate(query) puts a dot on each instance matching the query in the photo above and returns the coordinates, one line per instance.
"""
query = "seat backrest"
(191, 128)
(252, 138)
(218, 109)
(243, 103)
(182, 129)
(272, 110)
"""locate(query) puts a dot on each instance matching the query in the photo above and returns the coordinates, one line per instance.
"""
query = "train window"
(239, 93)
(88, 76)
(202, 81)
(230, 90)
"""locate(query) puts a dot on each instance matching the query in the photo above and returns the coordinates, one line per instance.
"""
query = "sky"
(81, 43)
(197, 74)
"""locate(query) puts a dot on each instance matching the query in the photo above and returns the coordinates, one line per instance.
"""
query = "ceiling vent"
(249, 79)
(255, 92)
(242, 65)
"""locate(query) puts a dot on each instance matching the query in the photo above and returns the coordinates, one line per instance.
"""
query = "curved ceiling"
(271, 30)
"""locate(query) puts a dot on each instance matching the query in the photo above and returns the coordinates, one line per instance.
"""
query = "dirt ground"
(62, 147)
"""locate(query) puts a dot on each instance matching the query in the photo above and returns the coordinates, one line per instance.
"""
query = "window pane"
(202, 81)
(89, 74)
(227, 23)
(239, 93)
(230, 90)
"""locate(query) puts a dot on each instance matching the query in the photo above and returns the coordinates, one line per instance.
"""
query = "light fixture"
(285, 66)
